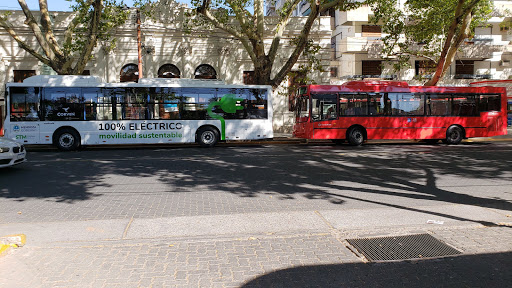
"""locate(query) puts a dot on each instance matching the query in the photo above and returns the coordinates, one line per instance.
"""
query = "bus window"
(302, 108)
(464, 105)
(63, 104)
(164, 103)
(439, 105)
(243, 97)
(134, 104)
(489, 103)
(375, 105)
(405, 104)
(324, 106)
(354, 104)
(257, 104)
(24, 104)
(195, 101)
(91, 97)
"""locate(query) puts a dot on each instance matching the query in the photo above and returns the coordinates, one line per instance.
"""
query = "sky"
(53, 5)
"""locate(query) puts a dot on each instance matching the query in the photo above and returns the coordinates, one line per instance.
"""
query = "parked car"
(11, 153)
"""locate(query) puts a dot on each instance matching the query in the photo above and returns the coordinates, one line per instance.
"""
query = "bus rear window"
(489, 103)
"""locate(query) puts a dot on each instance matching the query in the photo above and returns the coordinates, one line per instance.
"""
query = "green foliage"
(420, 28)
(312, 64)
(113, 15)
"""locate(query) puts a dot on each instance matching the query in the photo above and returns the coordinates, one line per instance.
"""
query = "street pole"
(139, 44)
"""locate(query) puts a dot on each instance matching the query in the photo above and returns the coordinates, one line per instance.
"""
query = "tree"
(432, 29)
(90, 22)
(245, 21)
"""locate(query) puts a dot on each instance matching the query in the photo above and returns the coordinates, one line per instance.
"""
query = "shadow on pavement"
(470, 174)
(483, 270)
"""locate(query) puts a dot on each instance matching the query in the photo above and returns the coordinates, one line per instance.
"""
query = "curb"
(9, 241)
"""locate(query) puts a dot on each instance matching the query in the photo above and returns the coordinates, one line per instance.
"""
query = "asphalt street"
(257, 215)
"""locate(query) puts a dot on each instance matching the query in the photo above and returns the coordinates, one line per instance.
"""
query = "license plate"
(20, 156)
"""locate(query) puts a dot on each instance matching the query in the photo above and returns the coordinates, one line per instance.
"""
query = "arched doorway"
(205, 71)
(129, 73)
(169, 71)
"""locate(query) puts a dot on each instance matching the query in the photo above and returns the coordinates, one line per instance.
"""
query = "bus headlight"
(4, 149)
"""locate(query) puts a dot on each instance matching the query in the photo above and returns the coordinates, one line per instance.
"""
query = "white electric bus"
(74, 111)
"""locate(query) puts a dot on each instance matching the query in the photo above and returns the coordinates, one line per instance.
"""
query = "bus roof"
(495, 83)
(95, 81)
(399, 86)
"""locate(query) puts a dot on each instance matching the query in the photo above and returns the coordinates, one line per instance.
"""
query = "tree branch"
(68, 34)
(281, 26)
(460, 17)
(92, 37)
(203, 10)
(46, 23)
(22, 43)
(301, 44)
(243, 16)
(31, 22)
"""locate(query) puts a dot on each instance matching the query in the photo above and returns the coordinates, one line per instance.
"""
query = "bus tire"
(207, 136)
(355, 136)
(67, 139)
(454, 135)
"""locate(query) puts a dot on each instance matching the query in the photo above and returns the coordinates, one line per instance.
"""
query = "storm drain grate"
(402, 247)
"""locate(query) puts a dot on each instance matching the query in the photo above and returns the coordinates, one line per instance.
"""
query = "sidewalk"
(288, 249)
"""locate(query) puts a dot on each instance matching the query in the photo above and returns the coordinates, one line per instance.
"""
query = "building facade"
(356, 45)
(167, 51)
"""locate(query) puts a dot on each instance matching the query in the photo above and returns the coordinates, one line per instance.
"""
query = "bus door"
(24, 115)
(301, 116)
(324, 114)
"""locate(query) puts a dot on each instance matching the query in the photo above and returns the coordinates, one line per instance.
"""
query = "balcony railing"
(362, 77)
(472, 76)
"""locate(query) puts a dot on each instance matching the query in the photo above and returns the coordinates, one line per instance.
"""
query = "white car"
(11, 153)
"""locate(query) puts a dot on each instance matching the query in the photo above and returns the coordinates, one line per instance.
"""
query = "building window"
(249, 77)
(129, 73)
(169, 71)
(424, 67)
(20, 75)
(205, 71)
(372, 68)
(371, 31)
(464, 69)
(333, 48)
(334, 72)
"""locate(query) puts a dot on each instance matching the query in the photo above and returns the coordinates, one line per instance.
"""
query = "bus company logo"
(66, 112)
(16, 128)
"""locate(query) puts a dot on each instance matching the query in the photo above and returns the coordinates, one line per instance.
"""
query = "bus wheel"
(356, 136)
(454, 135)
(67, 140)
(207, 136)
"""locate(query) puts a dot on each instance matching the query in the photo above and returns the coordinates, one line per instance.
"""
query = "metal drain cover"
(402, 247)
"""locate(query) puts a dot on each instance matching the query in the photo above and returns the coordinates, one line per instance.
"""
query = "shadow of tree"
(483, 270)
(470, 174)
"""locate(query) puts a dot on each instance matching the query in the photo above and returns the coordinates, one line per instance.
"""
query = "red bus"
(361, 110)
